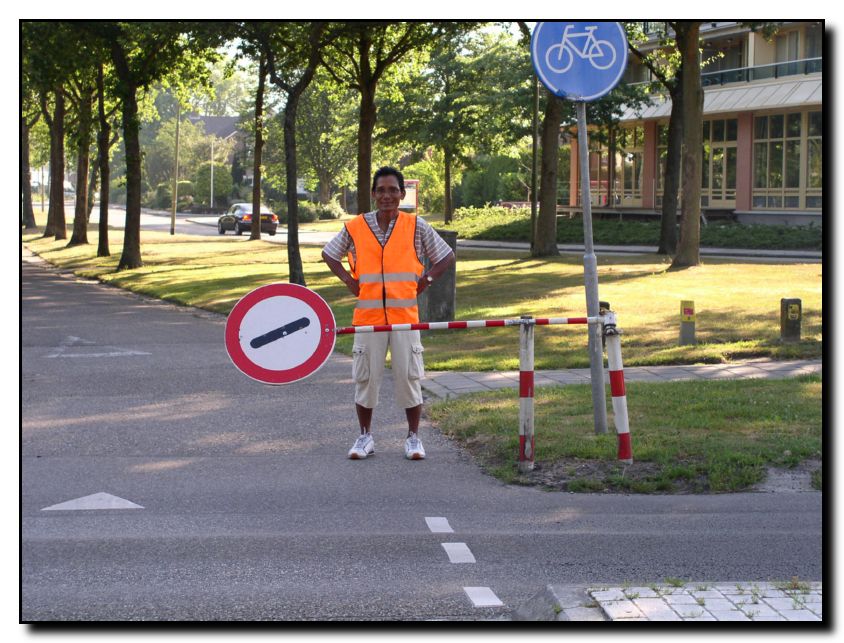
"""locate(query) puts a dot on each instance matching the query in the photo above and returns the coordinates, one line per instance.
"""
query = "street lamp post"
(212, 172)
(176, 173)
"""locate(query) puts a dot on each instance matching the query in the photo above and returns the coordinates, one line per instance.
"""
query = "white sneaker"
(363, 447)
(413, 449)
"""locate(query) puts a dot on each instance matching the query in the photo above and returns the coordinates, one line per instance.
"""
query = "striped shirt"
(428, 243)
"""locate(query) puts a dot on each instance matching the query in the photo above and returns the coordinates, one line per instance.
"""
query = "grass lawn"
(687, 436)
(737, 303)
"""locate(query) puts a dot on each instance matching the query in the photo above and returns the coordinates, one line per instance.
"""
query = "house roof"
(780, 94)
(220, 126)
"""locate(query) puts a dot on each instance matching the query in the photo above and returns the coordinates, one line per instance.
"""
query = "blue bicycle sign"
(579, 60)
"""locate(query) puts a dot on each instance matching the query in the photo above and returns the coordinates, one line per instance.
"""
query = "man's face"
(387, 193)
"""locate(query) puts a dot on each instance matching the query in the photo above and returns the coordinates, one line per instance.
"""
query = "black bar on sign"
(278, 333)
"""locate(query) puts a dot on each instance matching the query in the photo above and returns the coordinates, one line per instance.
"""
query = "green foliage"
(162, 199)
(222, 184)
(326, 134)
(502, 224)
(429, 171)
(493, 178)
(308, 212)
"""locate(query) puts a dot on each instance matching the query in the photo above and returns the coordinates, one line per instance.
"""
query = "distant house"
(762, 131)
(224, 127)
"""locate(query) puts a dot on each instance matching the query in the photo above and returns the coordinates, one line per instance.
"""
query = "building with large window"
(762, 131)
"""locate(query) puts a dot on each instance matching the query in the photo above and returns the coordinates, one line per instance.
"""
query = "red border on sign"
(309, 366)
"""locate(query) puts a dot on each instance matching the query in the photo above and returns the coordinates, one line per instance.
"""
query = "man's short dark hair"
(388, 171)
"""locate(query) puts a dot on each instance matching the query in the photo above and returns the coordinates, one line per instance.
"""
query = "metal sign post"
(582, 61)
(590, 277)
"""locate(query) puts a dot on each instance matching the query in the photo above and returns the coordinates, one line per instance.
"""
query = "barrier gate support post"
(526, 440)
(619, 394)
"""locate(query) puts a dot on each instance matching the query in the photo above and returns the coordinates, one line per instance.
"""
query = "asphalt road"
(250, 509)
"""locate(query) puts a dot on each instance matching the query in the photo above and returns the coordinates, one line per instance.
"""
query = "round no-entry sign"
(280, 333)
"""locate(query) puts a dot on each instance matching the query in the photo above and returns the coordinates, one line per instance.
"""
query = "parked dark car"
(239, 219)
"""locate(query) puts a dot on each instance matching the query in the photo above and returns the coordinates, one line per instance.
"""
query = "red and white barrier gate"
(261, 325)
(526, 371)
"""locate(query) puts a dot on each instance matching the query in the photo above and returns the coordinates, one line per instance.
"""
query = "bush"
(222, 183)
(504, 224)
(162, 198)
(310, 212)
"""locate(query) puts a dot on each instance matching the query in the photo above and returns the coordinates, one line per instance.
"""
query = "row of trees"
(440, 90)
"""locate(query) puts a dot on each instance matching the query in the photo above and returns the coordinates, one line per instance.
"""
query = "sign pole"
(590, 275)
(583, 61)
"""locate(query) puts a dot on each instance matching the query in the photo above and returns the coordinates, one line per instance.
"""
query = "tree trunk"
(55, 217)
(688, 251)
(27, 213)
(671, 179)
(545, 243)
(368, 116)
(102, 160)
(131, 256)
(294, 257)
(94, 176)
(83, 158)
(447, 206)
(259, 146)
(324, 188)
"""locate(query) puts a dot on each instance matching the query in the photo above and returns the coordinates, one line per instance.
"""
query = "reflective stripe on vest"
(387, 275)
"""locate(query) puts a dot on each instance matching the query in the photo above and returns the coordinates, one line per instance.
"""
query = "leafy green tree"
(47, 64)
(30, 115)
(360, 57)
(665, 63)
(291, 54)
(143, 53)
(202, 182)
(229, 87)
(325, 130)
(471, 97)
(159, 153)
(688, 43)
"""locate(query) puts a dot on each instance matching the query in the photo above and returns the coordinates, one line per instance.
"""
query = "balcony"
(762, 72)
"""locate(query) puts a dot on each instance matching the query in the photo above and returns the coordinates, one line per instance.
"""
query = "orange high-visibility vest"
(388, 275)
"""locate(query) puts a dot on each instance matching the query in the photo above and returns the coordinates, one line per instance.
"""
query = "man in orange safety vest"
(385, 249)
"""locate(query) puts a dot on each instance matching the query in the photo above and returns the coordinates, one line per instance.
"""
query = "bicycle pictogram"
(601, 54)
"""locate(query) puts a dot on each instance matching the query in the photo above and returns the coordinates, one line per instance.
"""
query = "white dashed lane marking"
(482, 597)
(458, 553)
(439, 525)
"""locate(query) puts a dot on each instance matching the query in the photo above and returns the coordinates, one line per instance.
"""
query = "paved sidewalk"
(689, 601)
(448, 384)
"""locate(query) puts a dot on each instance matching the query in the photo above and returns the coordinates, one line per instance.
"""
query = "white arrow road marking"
(61, 349)
(94, 501)
(439, 525)
(482, 597)
(458, 553)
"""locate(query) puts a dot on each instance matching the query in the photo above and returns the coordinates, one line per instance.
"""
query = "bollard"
(619, 394)
(439, 300)
(526, 441)
(687, 323)
(791, 318)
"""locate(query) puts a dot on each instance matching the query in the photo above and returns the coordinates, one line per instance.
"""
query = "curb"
(560, 603)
